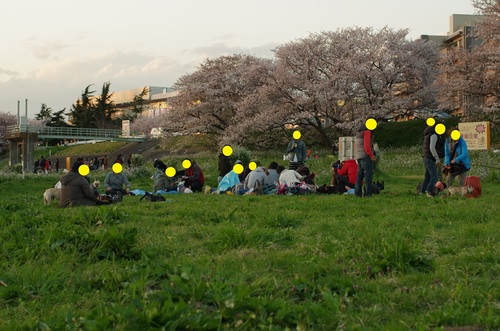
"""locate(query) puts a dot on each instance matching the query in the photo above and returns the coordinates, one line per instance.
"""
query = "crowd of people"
(441, 157)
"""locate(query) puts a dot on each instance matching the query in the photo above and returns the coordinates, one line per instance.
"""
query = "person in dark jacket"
(431, 160)
(76, 191)
(224, 166)
(193, 177)
(296, 151)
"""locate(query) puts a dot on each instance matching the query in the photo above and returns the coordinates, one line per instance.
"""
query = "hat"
(238, 162)
(76, 165)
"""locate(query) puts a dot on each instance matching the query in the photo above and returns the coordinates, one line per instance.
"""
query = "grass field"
(397, 261)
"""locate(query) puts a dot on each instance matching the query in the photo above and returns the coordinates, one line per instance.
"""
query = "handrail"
(79, 133)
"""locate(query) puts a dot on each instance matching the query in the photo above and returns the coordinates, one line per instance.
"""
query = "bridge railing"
(68, 131)
(84, 132)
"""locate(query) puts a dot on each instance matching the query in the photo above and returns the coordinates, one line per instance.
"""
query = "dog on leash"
(460, 190)
(51, 194)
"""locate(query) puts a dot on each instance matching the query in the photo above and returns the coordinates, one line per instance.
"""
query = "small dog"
(152, 198)
(181, 188)
(51, 194)
(96, 184)
(460, 190)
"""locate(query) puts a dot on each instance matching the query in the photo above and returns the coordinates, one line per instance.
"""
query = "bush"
(137, 160)
(242, 154)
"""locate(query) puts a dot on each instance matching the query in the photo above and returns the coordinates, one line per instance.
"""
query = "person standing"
(224, 166)
(365, 157)
(456, 158)
(431, 160)
(57, 165)
(296, 150)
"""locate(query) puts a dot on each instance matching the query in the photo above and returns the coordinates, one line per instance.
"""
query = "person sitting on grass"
(76, 191)
(114, 183)
(193, 177)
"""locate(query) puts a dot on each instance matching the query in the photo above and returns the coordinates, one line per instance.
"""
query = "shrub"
(137, 160)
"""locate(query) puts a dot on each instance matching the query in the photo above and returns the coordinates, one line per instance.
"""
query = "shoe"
(427, 194)
(206, 189)
(118, 197)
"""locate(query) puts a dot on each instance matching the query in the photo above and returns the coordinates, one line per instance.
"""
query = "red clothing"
(349, 169)
(367, 139)
(194, 174)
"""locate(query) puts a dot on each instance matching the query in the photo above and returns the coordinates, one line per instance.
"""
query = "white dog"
(460, 190)
(51, 194)
(183, 189)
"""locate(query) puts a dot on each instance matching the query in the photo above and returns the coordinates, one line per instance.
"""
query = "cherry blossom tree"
(335, 80)
(209, 96)
(6, 119)
(145, 124)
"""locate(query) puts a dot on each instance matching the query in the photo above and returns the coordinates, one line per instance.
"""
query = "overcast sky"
(51, 50)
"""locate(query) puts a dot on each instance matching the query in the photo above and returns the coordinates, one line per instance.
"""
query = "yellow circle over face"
(170, 172)
(227, 150)
(83, 170)
(296, 134)
(117, 168)
(440, 128)
(371, 124)
(430, 121)
(186, 164)
(252, 165)
(238, 168)
(455, 135)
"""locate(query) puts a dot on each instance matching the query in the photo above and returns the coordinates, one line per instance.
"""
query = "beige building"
(155, 100)
(459, 34)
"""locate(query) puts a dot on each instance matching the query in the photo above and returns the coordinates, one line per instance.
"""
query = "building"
(155, 100)
(459, 34)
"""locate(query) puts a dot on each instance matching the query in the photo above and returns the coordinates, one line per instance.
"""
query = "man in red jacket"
(344, 177)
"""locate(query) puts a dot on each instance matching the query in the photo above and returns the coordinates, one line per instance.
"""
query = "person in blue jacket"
(456, 159)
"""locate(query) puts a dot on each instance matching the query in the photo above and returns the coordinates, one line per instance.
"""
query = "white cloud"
(58, 83)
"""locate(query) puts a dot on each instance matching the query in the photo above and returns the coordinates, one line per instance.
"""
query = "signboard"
(347, 148)
(126, 128)
(476, 134)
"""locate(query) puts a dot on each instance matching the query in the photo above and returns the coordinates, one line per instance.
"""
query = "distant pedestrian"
(296, 151)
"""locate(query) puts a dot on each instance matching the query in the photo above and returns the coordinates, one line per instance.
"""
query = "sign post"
(477, 136)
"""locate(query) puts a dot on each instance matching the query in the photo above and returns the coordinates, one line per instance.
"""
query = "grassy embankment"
(396, 261)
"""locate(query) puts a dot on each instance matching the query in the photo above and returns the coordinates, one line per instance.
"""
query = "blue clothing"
(228, 181)
(430, 177)
(461, 152)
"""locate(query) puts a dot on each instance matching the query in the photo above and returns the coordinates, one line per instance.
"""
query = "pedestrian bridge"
(73, 133)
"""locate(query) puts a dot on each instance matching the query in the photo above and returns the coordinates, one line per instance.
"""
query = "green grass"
(396, 261)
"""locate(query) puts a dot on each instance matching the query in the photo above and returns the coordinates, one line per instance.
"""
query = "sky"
(52, 50)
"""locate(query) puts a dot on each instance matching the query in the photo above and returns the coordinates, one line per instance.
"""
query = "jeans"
(365, 171)
(461, 179)
(430, 177)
